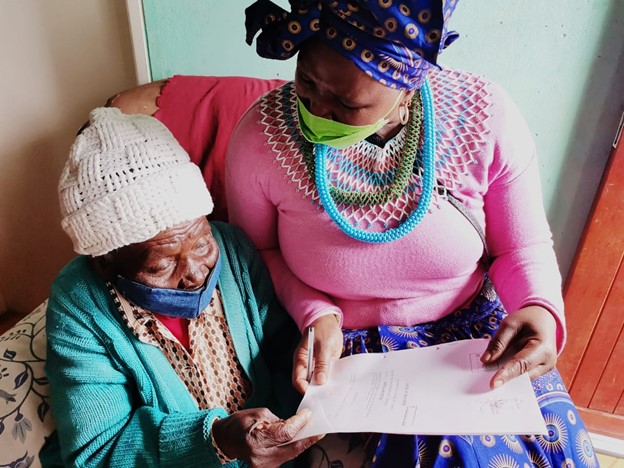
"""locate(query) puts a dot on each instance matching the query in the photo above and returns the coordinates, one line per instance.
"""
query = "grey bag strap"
(475, 224)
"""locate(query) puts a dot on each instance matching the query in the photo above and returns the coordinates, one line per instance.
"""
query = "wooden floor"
(610, 462)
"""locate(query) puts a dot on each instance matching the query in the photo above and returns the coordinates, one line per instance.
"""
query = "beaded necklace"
(403, 172)
(428, 179)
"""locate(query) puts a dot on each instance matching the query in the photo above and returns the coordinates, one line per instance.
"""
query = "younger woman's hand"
(255, 436)
(327, 349)
(529, 337)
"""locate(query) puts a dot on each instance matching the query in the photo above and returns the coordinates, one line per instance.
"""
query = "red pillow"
(201, 112)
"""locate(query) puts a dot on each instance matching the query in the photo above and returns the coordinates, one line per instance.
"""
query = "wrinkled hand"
(529, 338)
(253, 436)
(327, 349)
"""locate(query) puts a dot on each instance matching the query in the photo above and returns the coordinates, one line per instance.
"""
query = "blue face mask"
(171, 302)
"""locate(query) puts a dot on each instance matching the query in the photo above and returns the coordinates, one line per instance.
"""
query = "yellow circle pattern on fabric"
(488, 440)
(294, 27)
(367, 55)
(379, 32)
(433, 35)
(385, 3)
(411, 31)
(404, 9)
(391, 24)
(315, 25)
(424, 16)
(446, 448)
(288, 45)
(348, 43)
(331, 33)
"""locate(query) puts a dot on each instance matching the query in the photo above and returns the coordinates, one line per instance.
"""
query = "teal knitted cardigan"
(118, 402)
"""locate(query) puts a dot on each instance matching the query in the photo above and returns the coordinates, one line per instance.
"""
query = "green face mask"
(328, 132)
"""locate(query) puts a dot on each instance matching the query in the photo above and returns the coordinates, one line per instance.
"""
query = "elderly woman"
(395, 199)
(157, 333)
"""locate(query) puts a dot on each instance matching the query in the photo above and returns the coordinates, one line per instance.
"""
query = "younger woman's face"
(333, 87)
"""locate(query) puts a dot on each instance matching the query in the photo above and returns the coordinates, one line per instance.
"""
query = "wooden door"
(592, 364)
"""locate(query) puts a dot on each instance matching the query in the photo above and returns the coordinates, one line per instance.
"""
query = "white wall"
(562, 62)
(59, 59)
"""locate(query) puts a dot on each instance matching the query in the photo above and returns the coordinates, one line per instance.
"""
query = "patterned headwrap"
(393, 41)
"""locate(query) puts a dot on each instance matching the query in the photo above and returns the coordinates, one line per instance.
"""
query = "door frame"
(136, 20)
(598, 261)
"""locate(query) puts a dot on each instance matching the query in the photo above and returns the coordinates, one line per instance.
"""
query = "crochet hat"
(127, 179)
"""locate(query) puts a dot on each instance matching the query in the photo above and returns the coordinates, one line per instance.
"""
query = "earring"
(403, 115)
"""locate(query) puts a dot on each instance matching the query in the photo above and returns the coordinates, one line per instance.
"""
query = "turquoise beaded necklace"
(403, 172)
(428, 180)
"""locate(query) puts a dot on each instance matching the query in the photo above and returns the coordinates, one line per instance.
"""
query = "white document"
(430, 391)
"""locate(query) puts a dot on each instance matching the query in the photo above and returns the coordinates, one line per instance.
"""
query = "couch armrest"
(140, 100)
(25, 419)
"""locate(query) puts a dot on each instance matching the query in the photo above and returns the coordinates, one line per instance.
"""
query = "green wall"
(562, 61)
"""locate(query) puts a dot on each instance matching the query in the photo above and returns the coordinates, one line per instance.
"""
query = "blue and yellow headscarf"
(393, 41)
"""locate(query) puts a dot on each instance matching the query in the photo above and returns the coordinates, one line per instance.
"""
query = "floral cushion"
(25, 419)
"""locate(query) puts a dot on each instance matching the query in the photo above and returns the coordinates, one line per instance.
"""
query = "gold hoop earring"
(403, 115)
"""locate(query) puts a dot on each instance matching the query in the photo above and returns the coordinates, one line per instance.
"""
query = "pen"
(310, 352)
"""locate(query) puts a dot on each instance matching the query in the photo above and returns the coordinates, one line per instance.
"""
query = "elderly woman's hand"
(327, 349)
(255, 436)
(529, 337)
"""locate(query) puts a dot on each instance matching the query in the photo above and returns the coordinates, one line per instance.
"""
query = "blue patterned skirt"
(567, 443)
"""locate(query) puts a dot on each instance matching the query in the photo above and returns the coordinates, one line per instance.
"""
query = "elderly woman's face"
(178, 258)
(333, 87)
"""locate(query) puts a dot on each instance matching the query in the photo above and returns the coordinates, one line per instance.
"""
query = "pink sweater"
(485, 156)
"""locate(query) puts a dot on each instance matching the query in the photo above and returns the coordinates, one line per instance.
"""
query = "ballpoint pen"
(310, 352)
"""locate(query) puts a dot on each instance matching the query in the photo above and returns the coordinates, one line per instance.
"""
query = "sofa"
(201, 112)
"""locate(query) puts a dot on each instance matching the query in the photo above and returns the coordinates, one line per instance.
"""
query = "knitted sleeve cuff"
(223, 458)
(183, 435)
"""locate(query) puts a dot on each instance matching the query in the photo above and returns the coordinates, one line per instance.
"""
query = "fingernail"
(304, 412)
(486, 356)
(497, 383)
(256, 426)
(321, 378)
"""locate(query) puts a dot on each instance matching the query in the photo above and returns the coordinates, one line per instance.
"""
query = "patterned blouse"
(209, 369)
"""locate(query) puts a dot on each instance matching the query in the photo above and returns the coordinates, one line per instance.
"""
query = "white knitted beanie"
(127, 179)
